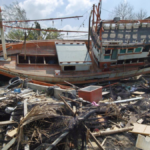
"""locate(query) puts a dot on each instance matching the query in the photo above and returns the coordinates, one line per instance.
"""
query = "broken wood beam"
(103, 133)
(144, 80)
(70, 99)
(94, 138)
(57, 140)
(67, 104)
(9, 144)
(74, 86)
(3, 123)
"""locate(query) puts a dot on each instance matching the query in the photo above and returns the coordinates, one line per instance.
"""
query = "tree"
(33, 34)
(124, 10)
(50, 35)
(141, 15)
(14, 12)
(38, 26)
(15, 34)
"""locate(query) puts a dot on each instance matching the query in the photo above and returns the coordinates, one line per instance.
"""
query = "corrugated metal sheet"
(72, 54)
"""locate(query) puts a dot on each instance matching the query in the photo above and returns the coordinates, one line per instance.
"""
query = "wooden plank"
(12, 133)
(26, 147)
(143, 142)
(141, 129)
(138, 93)
(8, 145)
(25, 107)
(2, 123)
(105, 93)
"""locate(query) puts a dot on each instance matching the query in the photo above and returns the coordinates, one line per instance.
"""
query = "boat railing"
(75, 62)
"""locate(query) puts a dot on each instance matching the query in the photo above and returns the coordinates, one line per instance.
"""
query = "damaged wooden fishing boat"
(115, 49)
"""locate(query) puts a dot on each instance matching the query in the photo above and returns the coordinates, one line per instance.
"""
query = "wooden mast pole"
(2, 37)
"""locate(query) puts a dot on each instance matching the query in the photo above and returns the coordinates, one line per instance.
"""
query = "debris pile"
(38, 120)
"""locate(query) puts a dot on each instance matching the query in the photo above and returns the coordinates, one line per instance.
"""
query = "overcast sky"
(40, 9)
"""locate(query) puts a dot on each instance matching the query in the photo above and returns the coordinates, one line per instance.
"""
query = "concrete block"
(37, 87)
(59, 91)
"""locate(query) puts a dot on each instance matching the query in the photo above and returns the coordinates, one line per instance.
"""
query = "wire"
(107, 10)
(43, 19)
(44, 29)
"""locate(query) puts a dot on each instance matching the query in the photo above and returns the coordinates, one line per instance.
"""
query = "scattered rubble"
(34, 119)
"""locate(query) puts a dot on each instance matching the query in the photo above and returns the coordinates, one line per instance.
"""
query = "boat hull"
(99, 77)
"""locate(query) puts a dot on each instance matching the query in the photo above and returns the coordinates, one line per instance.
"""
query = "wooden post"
(26, 147)
(80, 109)
(2, 37)
(93, 15)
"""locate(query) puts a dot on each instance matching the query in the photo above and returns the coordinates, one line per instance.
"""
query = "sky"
(41, 9)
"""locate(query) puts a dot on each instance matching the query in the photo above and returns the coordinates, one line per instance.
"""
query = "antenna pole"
(2, 37)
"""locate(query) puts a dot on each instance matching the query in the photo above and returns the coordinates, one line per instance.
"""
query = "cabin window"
(134, 60)
(130, 50)
(36, 60)
(137, 50)
(128, 61)
(146, 49)
(114, 63)
(51, 60)
(22, 60)
(120, 62)
(114, 54)
(107, 56)
(141, 60)
(122, 51)
(107, 51)
(69, 68)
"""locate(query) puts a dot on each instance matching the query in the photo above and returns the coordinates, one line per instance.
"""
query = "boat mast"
(2, 36)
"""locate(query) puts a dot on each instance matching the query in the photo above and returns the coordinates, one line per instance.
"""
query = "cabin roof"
(72, 53)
